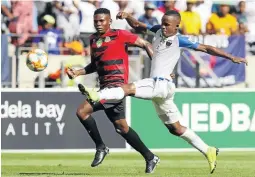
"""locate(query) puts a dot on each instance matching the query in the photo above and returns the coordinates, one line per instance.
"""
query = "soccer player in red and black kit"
(109, 59)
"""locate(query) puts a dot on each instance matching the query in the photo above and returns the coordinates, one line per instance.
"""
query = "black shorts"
(115, 110)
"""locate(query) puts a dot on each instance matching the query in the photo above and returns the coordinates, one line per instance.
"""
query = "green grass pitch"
(193, 164)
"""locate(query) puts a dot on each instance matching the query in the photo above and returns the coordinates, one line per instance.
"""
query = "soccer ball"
(37, 60)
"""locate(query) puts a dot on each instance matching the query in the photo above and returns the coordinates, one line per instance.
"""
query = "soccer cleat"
(91, 94)
(211, 156)
(99, 156)
(151, 164)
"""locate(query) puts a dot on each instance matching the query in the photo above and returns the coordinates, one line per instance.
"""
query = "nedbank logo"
(218, 117)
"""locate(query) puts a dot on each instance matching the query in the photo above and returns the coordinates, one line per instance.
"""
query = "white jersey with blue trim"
(166, 52)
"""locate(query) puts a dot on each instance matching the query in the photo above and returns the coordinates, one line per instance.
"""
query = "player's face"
(169, 25)
(102, 23)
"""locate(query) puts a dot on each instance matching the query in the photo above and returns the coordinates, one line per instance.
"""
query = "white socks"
(192, 138)
(112, 94)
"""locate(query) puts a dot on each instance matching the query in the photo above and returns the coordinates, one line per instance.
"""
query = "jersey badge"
(99, 43)
(168, 43)
(107, 39)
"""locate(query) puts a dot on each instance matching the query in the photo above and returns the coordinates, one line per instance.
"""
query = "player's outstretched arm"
(134, 23)
(90, 68)
(145, 45)
(218, 52)
(72, 73)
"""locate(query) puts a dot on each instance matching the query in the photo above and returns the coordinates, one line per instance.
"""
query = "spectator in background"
(24, 24)
(50, 36)
(168, 5)
(123, 6)
(156, 3)
(113, 7)
(137, 7)
(147, 18)
(67, 17)
(87, 9)
(190, 21)
(6, 15)
(40, 5)
(222, 22)
(97, 4)
(250, 14)
(241, 17)
(203, 8)
(48, 10)
(181, 5)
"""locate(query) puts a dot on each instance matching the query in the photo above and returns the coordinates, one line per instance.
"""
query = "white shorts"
(161, 92)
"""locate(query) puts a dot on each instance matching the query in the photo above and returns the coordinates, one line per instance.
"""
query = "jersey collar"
(105, 34)
(166, 38)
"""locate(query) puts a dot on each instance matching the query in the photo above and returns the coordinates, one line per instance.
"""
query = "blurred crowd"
(68, 23)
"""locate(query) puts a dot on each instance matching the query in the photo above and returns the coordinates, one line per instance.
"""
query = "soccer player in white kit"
(159, 87)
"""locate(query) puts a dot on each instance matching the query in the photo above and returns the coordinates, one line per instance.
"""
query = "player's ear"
(110, 21)
(177, 26)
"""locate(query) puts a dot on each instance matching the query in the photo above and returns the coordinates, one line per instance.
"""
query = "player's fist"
(239, 60)
(172, 75)
(72, 73)
(122, 15)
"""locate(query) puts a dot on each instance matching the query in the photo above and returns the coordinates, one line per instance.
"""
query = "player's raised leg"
(84, 114)
(110, 94)
(140, 89)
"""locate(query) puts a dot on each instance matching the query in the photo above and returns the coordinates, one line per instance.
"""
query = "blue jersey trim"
(154, 28)
(186, 42)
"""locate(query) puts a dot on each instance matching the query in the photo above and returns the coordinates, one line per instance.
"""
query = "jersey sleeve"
(154, 28)
(127, 37)
(187, 43)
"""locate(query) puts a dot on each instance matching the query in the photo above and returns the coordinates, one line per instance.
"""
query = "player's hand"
(72, 73)
(239, 60)
(122, 15)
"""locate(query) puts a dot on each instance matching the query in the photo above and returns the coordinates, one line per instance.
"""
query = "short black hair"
(173, 13)
(102, 11)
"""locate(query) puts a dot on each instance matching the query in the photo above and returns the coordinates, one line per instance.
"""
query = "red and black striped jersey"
(110, 58)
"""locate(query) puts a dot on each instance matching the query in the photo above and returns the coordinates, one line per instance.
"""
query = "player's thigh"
(164, 89)
(115, 111)
(167, 111)
(145, 88)
(151, 88)
(87, 108)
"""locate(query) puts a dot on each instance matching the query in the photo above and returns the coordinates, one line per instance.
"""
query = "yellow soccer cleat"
(91, 94)
(211, 156)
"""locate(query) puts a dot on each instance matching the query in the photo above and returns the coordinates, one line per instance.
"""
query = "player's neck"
(102, 34)
(168, 35)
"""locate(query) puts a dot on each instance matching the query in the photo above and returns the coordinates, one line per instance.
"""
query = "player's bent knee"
(175, 130)
(121, 129)
(82, 113)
